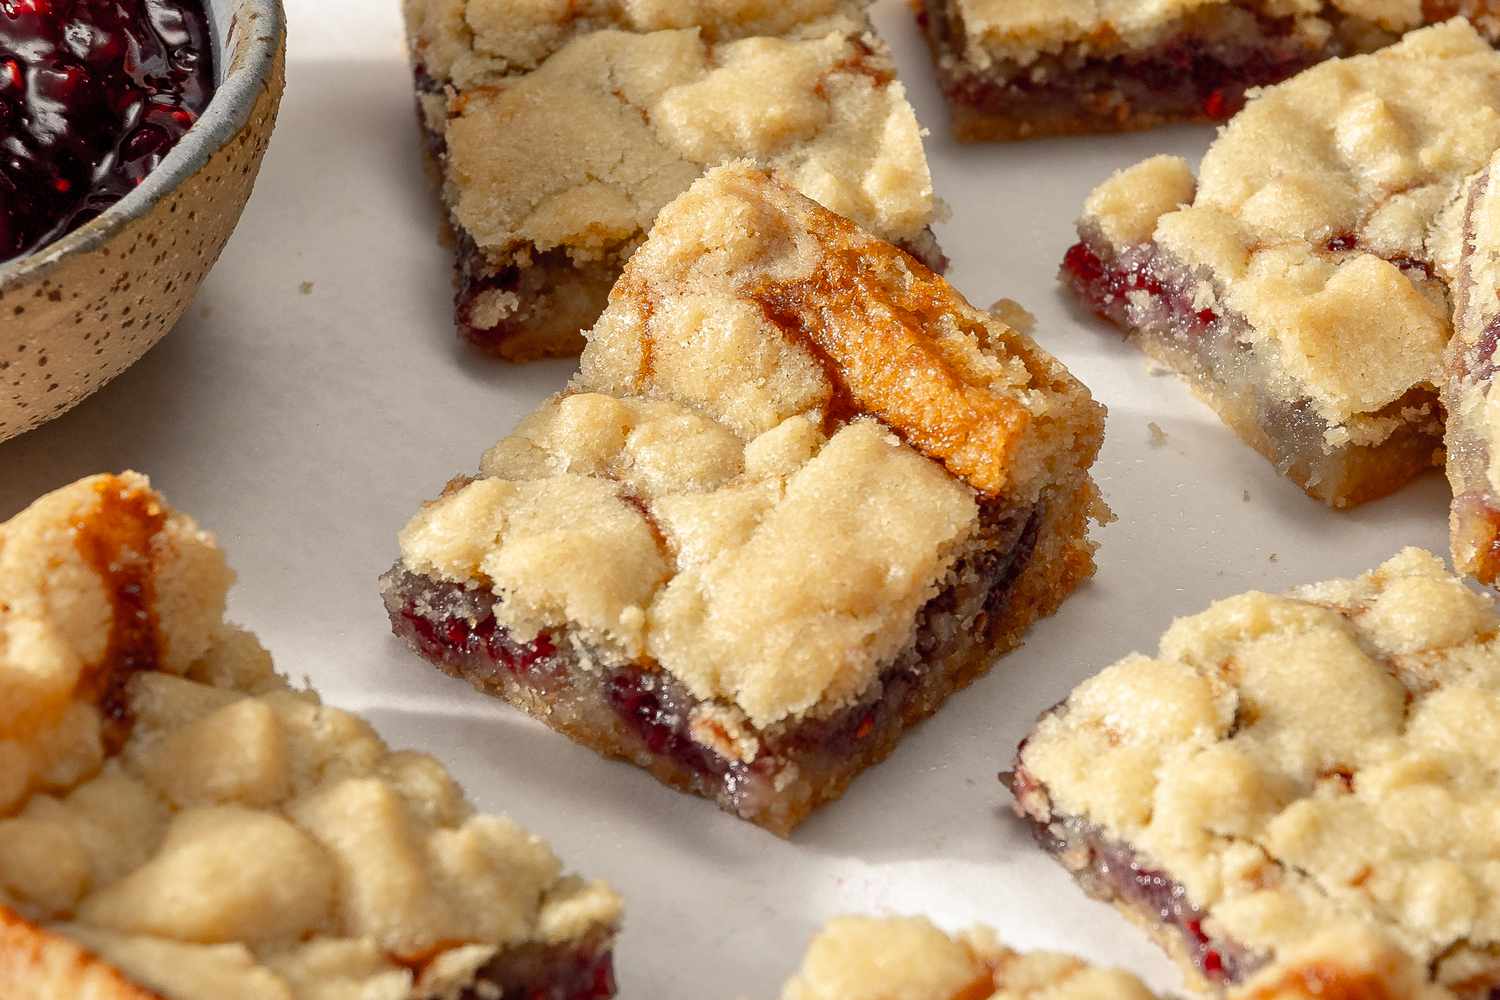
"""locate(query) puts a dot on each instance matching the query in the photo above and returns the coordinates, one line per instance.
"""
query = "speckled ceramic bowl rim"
(241, 83)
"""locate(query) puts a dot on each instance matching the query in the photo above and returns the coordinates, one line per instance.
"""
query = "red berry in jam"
(93, 93)
(1083, 263)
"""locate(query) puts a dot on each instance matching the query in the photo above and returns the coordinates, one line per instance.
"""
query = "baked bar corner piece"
(177, 823)
(1469, 396)
(1300, 283)
(879, 958)
(1016, 69)
(798, 493)
(559, 130)
(1286, 766)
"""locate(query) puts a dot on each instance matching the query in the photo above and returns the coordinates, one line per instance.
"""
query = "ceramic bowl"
(82, 309)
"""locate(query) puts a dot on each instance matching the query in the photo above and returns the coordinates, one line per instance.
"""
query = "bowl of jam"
(131, 132)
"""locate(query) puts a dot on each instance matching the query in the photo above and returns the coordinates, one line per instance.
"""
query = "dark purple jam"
(93, 93)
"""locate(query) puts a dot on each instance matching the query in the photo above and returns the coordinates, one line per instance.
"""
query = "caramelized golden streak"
(36, 964)
(1324, 980)
(869, 333)
(115, 539)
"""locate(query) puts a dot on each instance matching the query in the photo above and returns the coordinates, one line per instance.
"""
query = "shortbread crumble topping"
(711, 598)
(172, 808)
(770, 390)
(469, 41)
(864, 958)
(583, 152)
(1326, 759)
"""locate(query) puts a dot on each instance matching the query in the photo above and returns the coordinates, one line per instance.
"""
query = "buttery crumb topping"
(570, 125)
(864, 958)
(1319, 760)
(170, 806)
(583, 152)
(1327, 215)
(466, 41)
(774, 449)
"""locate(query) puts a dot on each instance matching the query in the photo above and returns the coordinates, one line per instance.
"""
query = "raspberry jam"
(93, 93)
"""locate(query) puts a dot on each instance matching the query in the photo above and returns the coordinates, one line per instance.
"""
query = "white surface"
(305, 428)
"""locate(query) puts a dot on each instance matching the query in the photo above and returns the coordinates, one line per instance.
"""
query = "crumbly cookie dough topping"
(170, 804)
(1327, 215)
(864, 958)
(1318, 760)
(468, 41)
(771, 456)
(583, 152)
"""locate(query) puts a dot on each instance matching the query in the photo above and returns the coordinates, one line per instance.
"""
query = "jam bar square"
(178, 823)
(799, 492)
(1301, 283)
(560, 130)
(1013, 69)
(1291, 765)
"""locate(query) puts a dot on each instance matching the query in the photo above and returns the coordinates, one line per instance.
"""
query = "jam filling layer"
(647, 713)
(1200, 73)
(1113, 872)
(1105, 287)
(93, 94)
(548, 972)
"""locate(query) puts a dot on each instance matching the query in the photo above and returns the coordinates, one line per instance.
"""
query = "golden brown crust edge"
(36, 964)
(1368, 472)
(971, 126)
